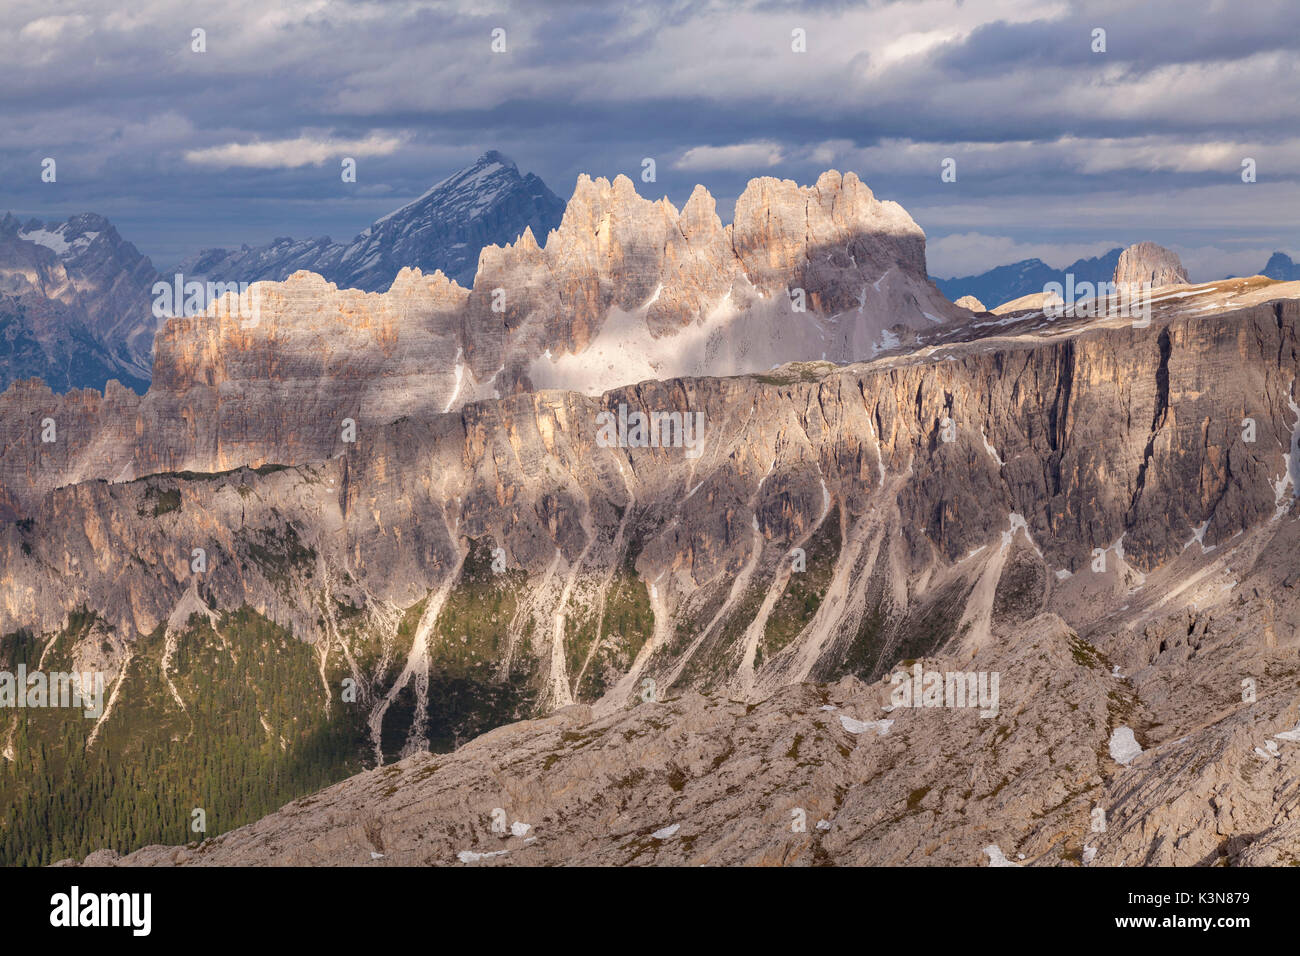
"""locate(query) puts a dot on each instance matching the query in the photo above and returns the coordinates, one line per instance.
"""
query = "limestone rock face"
(1022, 499)
(972, 303)
(1148, 262)
(231, 389)
(629, 288)
(1073, 506)
(626, 289)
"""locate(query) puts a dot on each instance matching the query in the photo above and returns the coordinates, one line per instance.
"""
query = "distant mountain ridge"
(1281, 267)
(74, 304)
(76, 299)
(487, 203)
(1005, 283)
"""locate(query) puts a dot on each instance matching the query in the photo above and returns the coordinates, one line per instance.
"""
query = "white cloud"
(46, 29)
(290, 153)
(739, 156)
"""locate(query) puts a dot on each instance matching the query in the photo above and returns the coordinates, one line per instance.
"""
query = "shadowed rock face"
(1280, 266)
(1148, 262)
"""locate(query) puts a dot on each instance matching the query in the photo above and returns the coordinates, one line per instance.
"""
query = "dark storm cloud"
(157, 137)
(1143, 39)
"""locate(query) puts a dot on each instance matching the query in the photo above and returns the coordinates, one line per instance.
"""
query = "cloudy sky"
(1060, 151)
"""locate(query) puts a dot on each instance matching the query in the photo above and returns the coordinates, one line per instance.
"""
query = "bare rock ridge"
(1062, 447)
(1074, 506)
(1148, 262)
(625, 289)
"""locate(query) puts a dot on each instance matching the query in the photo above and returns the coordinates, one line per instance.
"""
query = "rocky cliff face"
(1099, 532)
(231, 390)
(1067, 450)
(629, 288)
(1147, 262)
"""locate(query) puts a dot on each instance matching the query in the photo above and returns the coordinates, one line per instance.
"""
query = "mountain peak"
(1281, 266)
(494, 156)
(484, 203)
(1148, 262)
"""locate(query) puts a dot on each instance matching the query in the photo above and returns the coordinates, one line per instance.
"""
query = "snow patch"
(1124, 746)
(460, 379)
(469, 856)
(997, 857)
(48, 239)
(1290, 735)
(1018, 523)
(993, 452)
(1291, 463)
(1198, 537)
(881, 727)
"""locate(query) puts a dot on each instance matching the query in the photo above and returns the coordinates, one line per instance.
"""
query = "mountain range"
(658, 631)
(486, 203)
(372, 570)
(1027, 277)
(76, 298)
(1004, 284)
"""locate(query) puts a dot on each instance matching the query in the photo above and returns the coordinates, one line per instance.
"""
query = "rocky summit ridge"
(1148, 262)
(625, 289)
